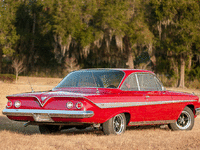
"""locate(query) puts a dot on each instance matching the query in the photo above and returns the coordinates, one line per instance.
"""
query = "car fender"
(116, 113)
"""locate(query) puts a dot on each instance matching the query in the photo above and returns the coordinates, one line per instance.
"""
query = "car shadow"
(18, 127)
(148, 127)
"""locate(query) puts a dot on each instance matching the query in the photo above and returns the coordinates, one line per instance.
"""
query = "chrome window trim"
(155, 77)
(50, 113)
(137, 81)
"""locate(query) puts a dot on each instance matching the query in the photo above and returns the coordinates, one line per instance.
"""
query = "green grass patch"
(7, 77)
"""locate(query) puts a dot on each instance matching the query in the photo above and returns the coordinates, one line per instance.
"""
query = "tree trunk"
(1, 53)
(159, 26)
(130, 60)
(190, 62)
(130, 54)
(152, 55)
(182, 72)
(16, 76)
(30, 60)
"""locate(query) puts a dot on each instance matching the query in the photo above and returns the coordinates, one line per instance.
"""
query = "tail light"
(79, 105)
(17, 104)
(69, 105)
(9, 104)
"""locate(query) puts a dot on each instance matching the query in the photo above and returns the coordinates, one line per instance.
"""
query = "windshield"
(92, 78)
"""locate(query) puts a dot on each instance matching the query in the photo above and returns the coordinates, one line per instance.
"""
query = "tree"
(8, 35)
(34, 26)
(176, 26)
(19, 67)
(66, 26)
(121, 29)
(71, 65)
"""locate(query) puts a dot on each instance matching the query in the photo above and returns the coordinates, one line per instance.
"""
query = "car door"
(159, 105)
(134, 98)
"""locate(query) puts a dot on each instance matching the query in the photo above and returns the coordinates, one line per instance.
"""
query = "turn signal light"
(79, 105)
(9, 104)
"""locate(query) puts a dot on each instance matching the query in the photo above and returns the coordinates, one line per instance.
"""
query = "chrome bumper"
(50, 113)
(197, 111)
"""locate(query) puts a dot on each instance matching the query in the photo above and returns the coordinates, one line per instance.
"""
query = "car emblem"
(43, 98)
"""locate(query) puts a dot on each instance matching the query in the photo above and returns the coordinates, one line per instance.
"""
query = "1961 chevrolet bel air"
(109, 99)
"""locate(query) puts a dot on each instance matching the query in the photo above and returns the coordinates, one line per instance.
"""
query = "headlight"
(69, 105)
(17, 104)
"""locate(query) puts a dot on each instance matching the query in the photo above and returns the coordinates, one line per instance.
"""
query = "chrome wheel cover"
(184, 120)
(118, 124)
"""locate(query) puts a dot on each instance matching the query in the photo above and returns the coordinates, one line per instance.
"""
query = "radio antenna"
(30, 85)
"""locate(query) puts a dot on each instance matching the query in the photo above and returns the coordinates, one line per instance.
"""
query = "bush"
(167, 81)
(195, 84)
(194, 74)
(7, 77)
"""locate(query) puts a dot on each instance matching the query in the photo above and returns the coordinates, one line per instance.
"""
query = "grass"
(14, 136)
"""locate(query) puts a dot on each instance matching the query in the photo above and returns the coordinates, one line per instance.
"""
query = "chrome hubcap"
(118, 124)
(184, 121)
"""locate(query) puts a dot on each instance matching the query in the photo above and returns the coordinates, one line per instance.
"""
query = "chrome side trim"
(50, 113)
(197, 111)
(151, 122)
(129, 104)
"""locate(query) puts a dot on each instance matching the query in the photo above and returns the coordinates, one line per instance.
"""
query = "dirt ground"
(14, 136)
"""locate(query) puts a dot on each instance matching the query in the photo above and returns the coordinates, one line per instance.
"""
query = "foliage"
(194, 74)
(195, 84)
(71, 65)
(159, 35)
(7, 77)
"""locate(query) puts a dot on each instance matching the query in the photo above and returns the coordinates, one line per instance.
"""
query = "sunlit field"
(13, 135)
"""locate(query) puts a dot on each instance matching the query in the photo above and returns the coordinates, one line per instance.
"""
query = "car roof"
(127, 71)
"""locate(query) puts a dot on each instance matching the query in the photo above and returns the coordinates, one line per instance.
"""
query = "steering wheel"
(111, 86)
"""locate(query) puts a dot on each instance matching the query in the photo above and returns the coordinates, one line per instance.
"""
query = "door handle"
(147, 96)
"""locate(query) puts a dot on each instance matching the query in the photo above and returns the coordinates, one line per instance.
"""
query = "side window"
(148, 82)
(130, 84)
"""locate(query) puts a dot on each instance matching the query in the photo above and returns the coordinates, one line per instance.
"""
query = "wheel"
(115, 125)
(47, 129)
(185, 120)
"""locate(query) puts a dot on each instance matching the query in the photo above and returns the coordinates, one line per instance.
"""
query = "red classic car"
(108, 99)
